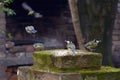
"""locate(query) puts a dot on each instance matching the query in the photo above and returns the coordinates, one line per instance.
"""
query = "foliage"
(7, 2)
(4, 7)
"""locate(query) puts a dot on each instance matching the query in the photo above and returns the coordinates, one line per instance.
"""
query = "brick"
(2, 14)
(115, 38)
(12, 73)
(2, 27)
(2, 55)
(3, 78)
(116, 42)
(117, 48)
(118, 4)
(118, 10)
(2, 21)
(116, 32)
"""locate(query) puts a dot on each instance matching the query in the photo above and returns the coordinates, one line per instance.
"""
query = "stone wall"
(116, 37)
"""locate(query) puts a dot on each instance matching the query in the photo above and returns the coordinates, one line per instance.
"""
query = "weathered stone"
(29, 54)
(2, 27)
(2, 55)
(2, 21)
(114, 37)
(64, 59)
(116, 32)
(15, 61)
(116, 42)
(78, 61)
(30, 73)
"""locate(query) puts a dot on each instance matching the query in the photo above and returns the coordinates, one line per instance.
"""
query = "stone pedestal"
(64, 65)
(65, 59)
(106, 73)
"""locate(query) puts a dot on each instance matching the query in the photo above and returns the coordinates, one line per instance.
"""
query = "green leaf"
(9, 11)
(7, 2)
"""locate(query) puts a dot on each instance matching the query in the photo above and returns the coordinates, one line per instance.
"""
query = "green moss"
(95, 59)
(87, 60)
(45, 63)
(43, 58)
(105, 73)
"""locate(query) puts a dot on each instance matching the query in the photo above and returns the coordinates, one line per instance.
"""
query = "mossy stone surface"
(50, 65)
(105, 73)
(64, 59)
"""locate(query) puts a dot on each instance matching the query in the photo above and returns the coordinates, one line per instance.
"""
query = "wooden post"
(76, 22)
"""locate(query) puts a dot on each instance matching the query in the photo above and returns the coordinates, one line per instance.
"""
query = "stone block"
(116, 32)
(79, 61)
(116, 42)
(19, 61)
(106, 73)
(2, 27)
(2, 14)
(115, 38)
(2, 21)
(2, 55)
(64, 59)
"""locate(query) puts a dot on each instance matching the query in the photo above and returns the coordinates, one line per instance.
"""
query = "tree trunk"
(76, 22)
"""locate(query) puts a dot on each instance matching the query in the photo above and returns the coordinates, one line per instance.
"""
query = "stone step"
(19, 61)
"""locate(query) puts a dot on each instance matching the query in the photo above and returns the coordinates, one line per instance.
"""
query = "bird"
(30, 29)
(91, 45)
(38, 46)
(31, 11)
(70, 46)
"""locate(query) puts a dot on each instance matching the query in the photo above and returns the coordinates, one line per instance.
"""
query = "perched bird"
(30, 29)
(38, 46)
(92, 44)
(31, 11)
(71, 46)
